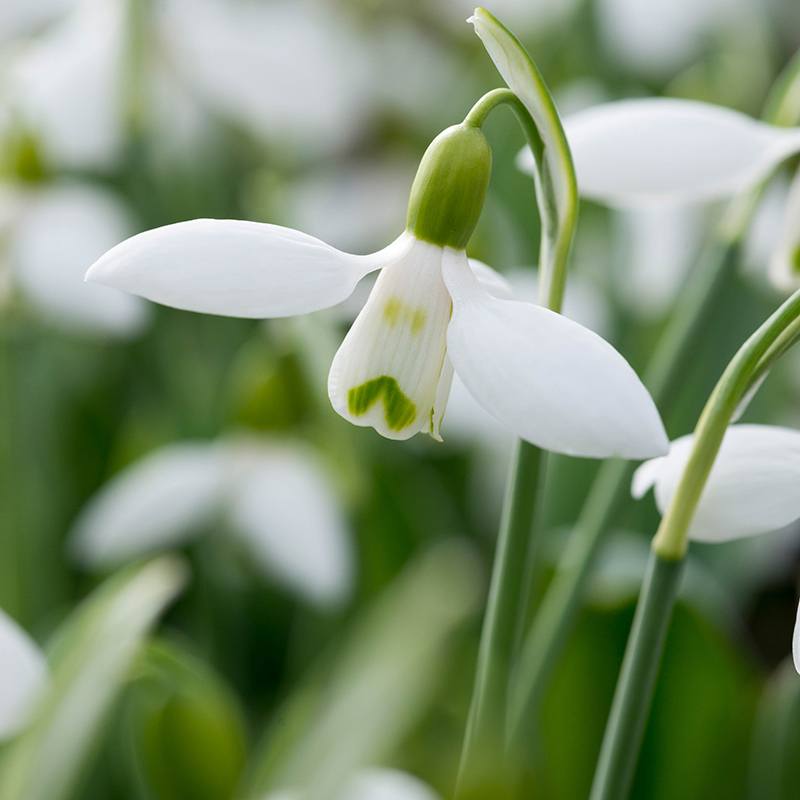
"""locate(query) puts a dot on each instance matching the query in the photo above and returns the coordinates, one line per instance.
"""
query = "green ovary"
(399, 410)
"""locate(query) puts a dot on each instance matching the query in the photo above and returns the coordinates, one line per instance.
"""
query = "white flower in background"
(784, 265)
(23, 675)
(48, 234)
(657, 246)
(752, 487)
(200, 58)
(663, 150)
(274, 497)
(526, 16)
(546, 378)
(375, 783)
(658, 36)
(22, 17)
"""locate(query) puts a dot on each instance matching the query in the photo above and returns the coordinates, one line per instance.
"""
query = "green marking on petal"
(396, 311)
(795, 260)
(399, 410)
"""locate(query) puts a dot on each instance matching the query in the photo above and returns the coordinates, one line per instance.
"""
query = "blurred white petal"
(157, 502)
(752, 487)
(766, 228)
(236, 268)
(667, 150)
(784, 265)
(283, 69)
(66, 86)
(551, 381)
(658, 36)
(23, 674)
(386, 374)
(531, 16)
(285, 509)
(657, 245)
(62, 229)
(353, 205)
(387, 784)
(22, 17)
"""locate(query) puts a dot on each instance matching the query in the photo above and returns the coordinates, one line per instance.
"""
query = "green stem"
(514, 564)
(546, 639)
(633, 696)
(626, 723)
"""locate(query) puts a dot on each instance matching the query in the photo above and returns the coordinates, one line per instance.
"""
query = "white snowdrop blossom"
(49, 233)
(23, 676)
(273, 496)
(375, 783)
(548, 379)
(664, 150)
(752, 487)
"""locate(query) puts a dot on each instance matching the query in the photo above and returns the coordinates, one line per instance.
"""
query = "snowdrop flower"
(23, 675)
(546, 378)
(274, 497)
(49, 233)
(663, 150)
(752, 488)
(375, 783)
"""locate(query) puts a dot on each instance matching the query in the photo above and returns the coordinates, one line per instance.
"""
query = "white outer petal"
(155, 503)
(406, 344)
(386, 784)
(752, 487)
(284, 508)
(23, 675)
(236, 268)
(64, 228)
(668, 150)
(551, 381)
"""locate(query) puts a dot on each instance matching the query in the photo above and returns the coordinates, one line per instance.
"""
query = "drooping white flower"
(23, 675)
(49, 234)
(751, 488)
(663, 150)
(546, 378)
(274, 497)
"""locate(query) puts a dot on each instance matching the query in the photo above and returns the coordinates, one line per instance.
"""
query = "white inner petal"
(387, 372)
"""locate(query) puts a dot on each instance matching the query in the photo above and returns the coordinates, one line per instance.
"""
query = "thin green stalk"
(554, 620)
(632, 699)
(514, 563)
(615, 767)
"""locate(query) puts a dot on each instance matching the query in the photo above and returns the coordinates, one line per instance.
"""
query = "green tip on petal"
(400, 412)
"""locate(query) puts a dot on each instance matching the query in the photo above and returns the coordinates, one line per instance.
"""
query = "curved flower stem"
(547, 637)
(633, 696)
(513, 569)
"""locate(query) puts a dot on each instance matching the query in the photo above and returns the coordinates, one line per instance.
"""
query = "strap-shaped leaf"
(89, 662)
(556, 187)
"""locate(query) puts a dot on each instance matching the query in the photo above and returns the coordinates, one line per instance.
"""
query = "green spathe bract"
(450, 187)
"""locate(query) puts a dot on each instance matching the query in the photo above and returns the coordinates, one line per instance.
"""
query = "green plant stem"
(633, 696)
(514, 563)
(626, 723)
(546, 638)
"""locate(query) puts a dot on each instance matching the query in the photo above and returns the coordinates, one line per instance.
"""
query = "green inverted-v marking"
(399, 410)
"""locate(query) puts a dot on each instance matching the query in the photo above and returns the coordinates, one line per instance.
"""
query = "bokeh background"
(334, 581)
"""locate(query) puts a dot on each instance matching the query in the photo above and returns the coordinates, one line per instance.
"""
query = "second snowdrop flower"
(549, 380)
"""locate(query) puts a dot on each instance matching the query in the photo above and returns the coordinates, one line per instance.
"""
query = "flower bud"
(450, 187)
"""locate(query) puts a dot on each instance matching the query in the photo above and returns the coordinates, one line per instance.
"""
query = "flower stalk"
(634, 692)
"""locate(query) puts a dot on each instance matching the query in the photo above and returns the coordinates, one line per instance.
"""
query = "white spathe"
(274, 496)
(547, 379)
(55, 231)
(664, 150)
(23, 675)
(752, 487)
